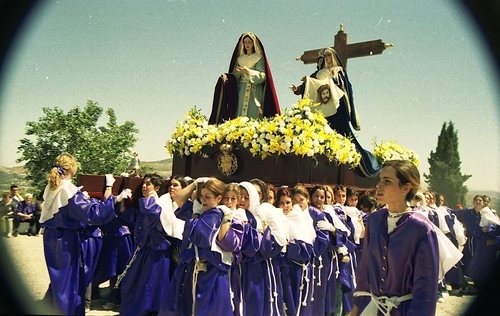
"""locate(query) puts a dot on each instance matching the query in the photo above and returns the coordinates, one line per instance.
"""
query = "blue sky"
(152, 61)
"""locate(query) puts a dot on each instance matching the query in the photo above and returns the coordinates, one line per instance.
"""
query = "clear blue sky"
(152, 61)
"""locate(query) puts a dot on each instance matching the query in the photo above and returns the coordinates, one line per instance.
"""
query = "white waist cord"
(384, 304)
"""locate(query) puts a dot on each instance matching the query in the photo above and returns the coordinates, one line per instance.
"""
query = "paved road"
(28, 252)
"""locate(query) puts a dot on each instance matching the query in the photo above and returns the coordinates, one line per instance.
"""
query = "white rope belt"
(384, 304)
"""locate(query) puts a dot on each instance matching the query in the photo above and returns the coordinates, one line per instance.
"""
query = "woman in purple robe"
(145, 281)
(116, 251)
(456, 234)
(295, 266)
(399, 270)
(309, 237)
(66, 216)
(480, 248)
(263, 242)
(230, 239)
(200, 285)
(339, 248)
(348, 264)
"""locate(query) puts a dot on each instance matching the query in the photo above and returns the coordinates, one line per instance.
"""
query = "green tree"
(98, 149)
(444, 175)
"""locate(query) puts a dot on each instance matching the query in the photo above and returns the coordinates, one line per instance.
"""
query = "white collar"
(54, 200)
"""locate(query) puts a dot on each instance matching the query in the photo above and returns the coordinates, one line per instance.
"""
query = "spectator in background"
(14, 194)
(7, 213)
(25, 213)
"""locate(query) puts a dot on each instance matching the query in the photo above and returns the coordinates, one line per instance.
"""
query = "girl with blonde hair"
(68, 216)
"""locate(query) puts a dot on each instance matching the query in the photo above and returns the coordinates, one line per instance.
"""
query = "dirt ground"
(28, 251)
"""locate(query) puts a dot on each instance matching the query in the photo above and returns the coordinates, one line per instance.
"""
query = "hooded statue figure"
(247, 89)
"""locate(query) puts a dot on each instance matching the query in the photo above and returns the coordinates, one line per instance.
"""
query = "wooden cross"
(346, 51)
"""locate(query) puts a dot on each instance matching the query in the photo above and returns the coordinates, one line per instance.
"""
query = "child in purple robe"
(66, 214)
(315, 232)
(264, 239)
(307, 239)
(231, 240)
(398, 273)
(145, 281)
(336, 249)
(200, 285)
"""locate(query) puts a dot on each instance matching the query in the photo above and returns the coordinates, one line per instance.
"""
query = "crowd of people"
(14, 210)
(205, 247)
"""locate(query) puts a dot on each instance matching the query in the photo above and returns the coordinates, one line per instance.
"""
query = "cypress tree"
(445, 176)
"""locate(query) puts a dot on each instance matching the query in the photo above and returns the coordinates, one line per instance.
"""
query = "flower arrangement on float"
(296, 131)
(392, 151)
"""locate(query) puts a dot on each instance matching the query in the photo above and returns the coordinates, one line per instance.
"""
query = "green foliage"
(444, 175)
(98, 149)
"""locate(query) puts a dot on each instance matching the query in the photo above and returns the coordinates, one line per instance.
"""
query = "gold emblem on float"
(227, 163)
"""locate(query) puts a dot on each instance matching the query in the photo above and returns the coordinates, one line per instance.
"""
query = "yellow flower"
(298, 131)
(393, 151)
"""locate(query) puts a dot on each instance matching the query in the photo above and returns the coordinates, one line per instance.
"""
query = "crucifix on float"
(346, 51)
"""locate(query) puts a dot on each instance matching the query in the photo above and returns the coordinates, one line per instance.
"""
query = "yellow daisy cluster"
(391, 151)
(193, 135)
(297, 131)
(302, 132)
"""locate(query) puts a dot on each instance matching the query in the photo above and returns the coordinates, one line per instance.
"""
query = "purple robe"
(193, 292)
(25, 208)
(260, 274)
(455, 276)
(145, 285)
(232, 242)
(91, 248)
(297, 277)
(117, 248)
(347, 270)
(480, 249)
(337, 239)
(321, 263)
(70, 250)
(404, 261)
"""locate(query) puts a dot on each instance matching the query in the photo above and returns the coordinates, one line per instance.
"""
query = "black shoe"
(470, 290)
(15, 233)
(456, 292)
(29, 234)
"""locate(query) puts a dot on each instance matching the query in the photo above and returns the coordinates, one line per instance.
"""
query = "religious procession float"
(310, 143)
(296, 146)
(248, 136)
